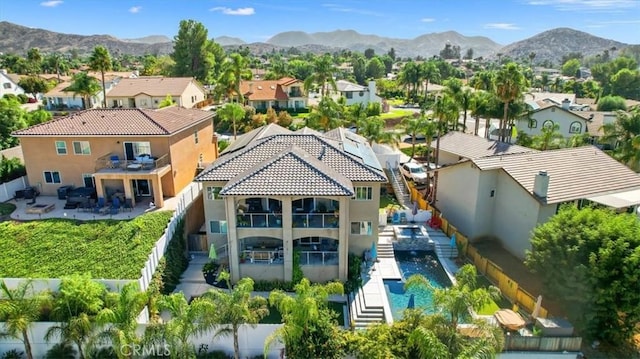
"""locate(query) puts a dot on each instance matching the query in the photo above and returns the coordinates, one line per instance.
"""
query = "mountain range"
(549, 45)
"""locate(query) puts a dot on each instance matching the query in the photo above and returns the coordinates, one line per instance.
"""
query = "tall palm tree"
(624, 134)
(187, 320)
(326, 116)
(20, 308)
(413, 126)
(409, 78)
(77, 302)
(429, 72)
(446, 111)
(85, 86)
(548, 138)
(323, 70)
(233, 112)
(374, 130)
(481, 108)
(100, 60)
(510, 84)
(120, 318)
(234, 70)
(235, 308)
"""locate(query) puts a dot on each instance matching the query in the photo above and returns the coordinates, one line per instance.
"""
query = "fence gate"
(197, 243)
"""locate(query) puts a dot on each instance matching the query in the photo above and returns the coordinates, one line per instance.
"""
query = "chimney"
(541, 184)
(565, 104)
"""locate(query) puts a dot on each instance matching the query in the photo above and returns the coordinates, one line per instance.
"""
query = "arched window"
(576, 127)
(533, 123)
(547, 124)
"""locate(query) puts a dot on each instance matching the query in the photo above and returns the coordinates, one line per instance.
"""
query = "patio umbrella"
(452, 243)
(514, 133)
(536, 308)
(212, 252)
(412, 302)
(374, 251)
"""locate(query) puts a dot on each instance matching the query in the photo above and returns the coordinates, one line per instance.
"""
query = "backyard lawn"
(396, 113)
(54, 248)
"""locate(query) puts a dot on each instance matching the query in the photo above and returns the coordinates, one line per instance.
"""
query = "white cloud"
(340, 8)
(427, 19)
(241, 11)
(51, 3)
(135, 9)
(501, 26)
(587, 5)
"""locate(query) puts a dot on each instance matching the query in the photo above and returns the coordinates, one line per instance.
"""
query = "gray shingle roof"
(118, 122)
(574, 173)
(470, 146)
(291, 172)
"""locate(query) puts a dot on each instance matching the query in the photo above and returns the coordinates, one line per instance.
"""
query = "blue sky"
(504, 21)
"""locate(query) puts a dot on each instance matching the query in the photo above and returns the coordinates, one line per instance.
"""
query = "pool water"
(415, 262)
(410, 231)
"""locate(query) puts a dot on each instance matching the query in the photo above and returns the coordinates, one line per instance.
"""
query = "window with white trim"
(364, 193)
(547, 124)
(52, 177)
(61, 147)
(213, 193)
(576, 127)
(362, 228)
(218, 227)
(81, 148)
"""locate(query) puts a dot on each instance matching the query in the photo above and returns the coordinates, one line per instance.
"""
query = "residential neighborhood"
(202, 197)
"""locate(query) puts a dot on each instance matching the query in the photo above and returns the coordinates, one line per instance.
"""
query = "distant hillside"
(228, 41)
(552, 44)
(18, 39)
(152, 39)
(425, 45)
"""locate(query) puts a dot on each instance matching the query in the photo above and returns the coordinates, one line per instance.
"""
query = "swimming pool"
(409, 232)
(409, 263)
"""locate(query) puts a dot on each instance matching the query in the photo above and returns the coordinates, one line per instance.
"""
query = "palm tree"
(187, 320)
(510, 84)
(548, 138)
(233, 112)
(409, 77)
(235, 308)
(85, 86)
(322, 75)
(100, 60)
(430, 73)
(413, 126)
(624, 133)
(120, 318)
(234, 70)
(77, 302)
(446, 111)
(374, 130)
(479, 106)
(326, 116)
(20, 308)
(310, 329)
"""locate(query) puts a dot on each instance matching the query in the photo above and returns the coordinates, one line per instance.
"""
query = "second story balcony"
(116, 163)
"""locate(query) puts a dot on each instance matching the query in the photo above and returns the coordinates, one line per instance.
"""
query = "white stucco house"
(8, 85)
(506, 196)
(356, 94)
(458, 146)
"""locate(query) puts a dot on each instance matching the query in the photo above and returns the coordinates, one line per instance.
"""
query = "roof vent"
(273, 87)
(84, 122)
(259, 87)
(541, 184)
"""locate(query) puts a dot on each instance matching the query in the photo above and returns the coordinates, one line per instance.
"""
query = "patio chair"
(115, 206)
(396, 218)
(128, 205)
(99, 205)
(115, 161)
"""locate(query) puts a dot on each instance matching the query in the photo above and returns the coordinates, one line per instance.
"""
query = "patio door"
(141, 188)
(134, 149)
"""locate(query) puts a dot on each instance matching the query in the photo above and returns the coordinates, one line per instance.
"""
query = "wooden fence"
(509, 287)
(536, 343)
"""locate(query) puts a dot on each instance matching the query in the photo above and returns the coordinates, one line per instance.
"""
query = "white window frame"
(364, 228)
(84, 151)
(211, 193)
(53, 177)
(579, 129)
(366, 190)
(61, 150)
(222, 225)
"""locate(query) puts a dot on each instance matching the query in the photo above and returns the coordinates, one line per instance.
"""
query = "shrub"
(611, 103)
(176, 260)
(10, 169)
(354, 281)
(23, 98)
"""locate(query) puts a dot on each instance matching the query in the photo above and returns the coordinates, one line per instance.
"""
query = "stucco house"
(8, 84)
(279, 94)
(135, 152)
(458, 146)
(356, 94)
(274, 193)
(60, 98)
(506, 196)
(148, 92)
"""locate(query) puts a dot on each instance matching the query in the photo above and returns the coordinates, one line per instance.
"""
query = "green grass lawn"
(7, 208)
(492, 307)
(274, 316)
(397, 113)
(387, 199)
(55, 248)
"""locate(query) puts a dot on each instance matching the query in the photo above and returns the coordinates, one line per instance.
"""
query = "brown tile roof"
(266, 90)
(470, 146)
(59, 90)
(585, 101)
(118, 122)
(595, 121)
(290, 172)
(574, 173)
(152, 86)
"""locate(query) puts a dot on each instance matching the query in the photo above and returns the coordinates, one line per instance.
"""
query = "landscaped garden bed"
(55, 248)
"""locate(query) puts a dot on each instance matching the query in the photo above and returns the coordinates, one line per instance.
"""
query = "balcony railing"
(114, 162)
(260, 220)
(319, 258)
(263, 256)
(315, 220)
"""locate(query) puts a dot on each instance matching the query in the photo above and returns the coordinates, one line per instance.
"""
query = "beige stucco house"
(135, 152)
(148, 92)
(458, 146)
(274, 192)
(285, 93)
(506, 196)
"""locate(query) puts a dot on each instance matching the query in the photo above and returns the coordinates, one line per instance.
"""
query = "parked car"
(414, 171)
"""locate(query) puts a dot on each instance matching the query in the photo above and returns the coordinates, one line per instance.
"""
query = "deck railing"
(319, 258)
(315, 220)
(109, 162)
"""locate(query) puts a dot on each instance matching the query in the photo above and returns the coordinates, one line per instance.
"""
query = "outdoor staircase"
(398, 184)
(362, 315)
(385, 248)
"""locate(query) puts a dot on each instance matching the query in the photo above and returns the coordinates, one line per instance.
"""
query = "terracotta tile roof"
(266, 90)
(118, 122)
(269, 145)
(290, 172)
(574, 173)
(470, 146)
(595, 120)
(152, 86)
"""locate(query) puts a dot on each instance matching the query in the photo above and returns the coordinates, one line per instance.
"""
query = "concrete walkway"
(192, 282)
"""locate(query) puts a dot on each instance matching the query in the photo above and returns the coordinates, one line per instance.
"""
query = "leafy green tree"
(10, 169)
(19, 309)
(100, 60)
(300, 69)
(190, 51)
(34, 85)
(413, 126)
(375, 68)
(326, 116)
(429, 72)
(85, 86)
(589, 260)
(235, 308)
(571, 67)
(611, 103)
(61, 351)
(626, 83)
(120, 318)
(12, 118)
(322, 75)
(374, 130)
(409, 78)
(310, 329)
(484, 80)
(232, 112)
(548, 139)
(359, 64)
(235, 69)
(166, 102)
(624, 132)
(510, 84)
(78, 301)
(34, 59)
